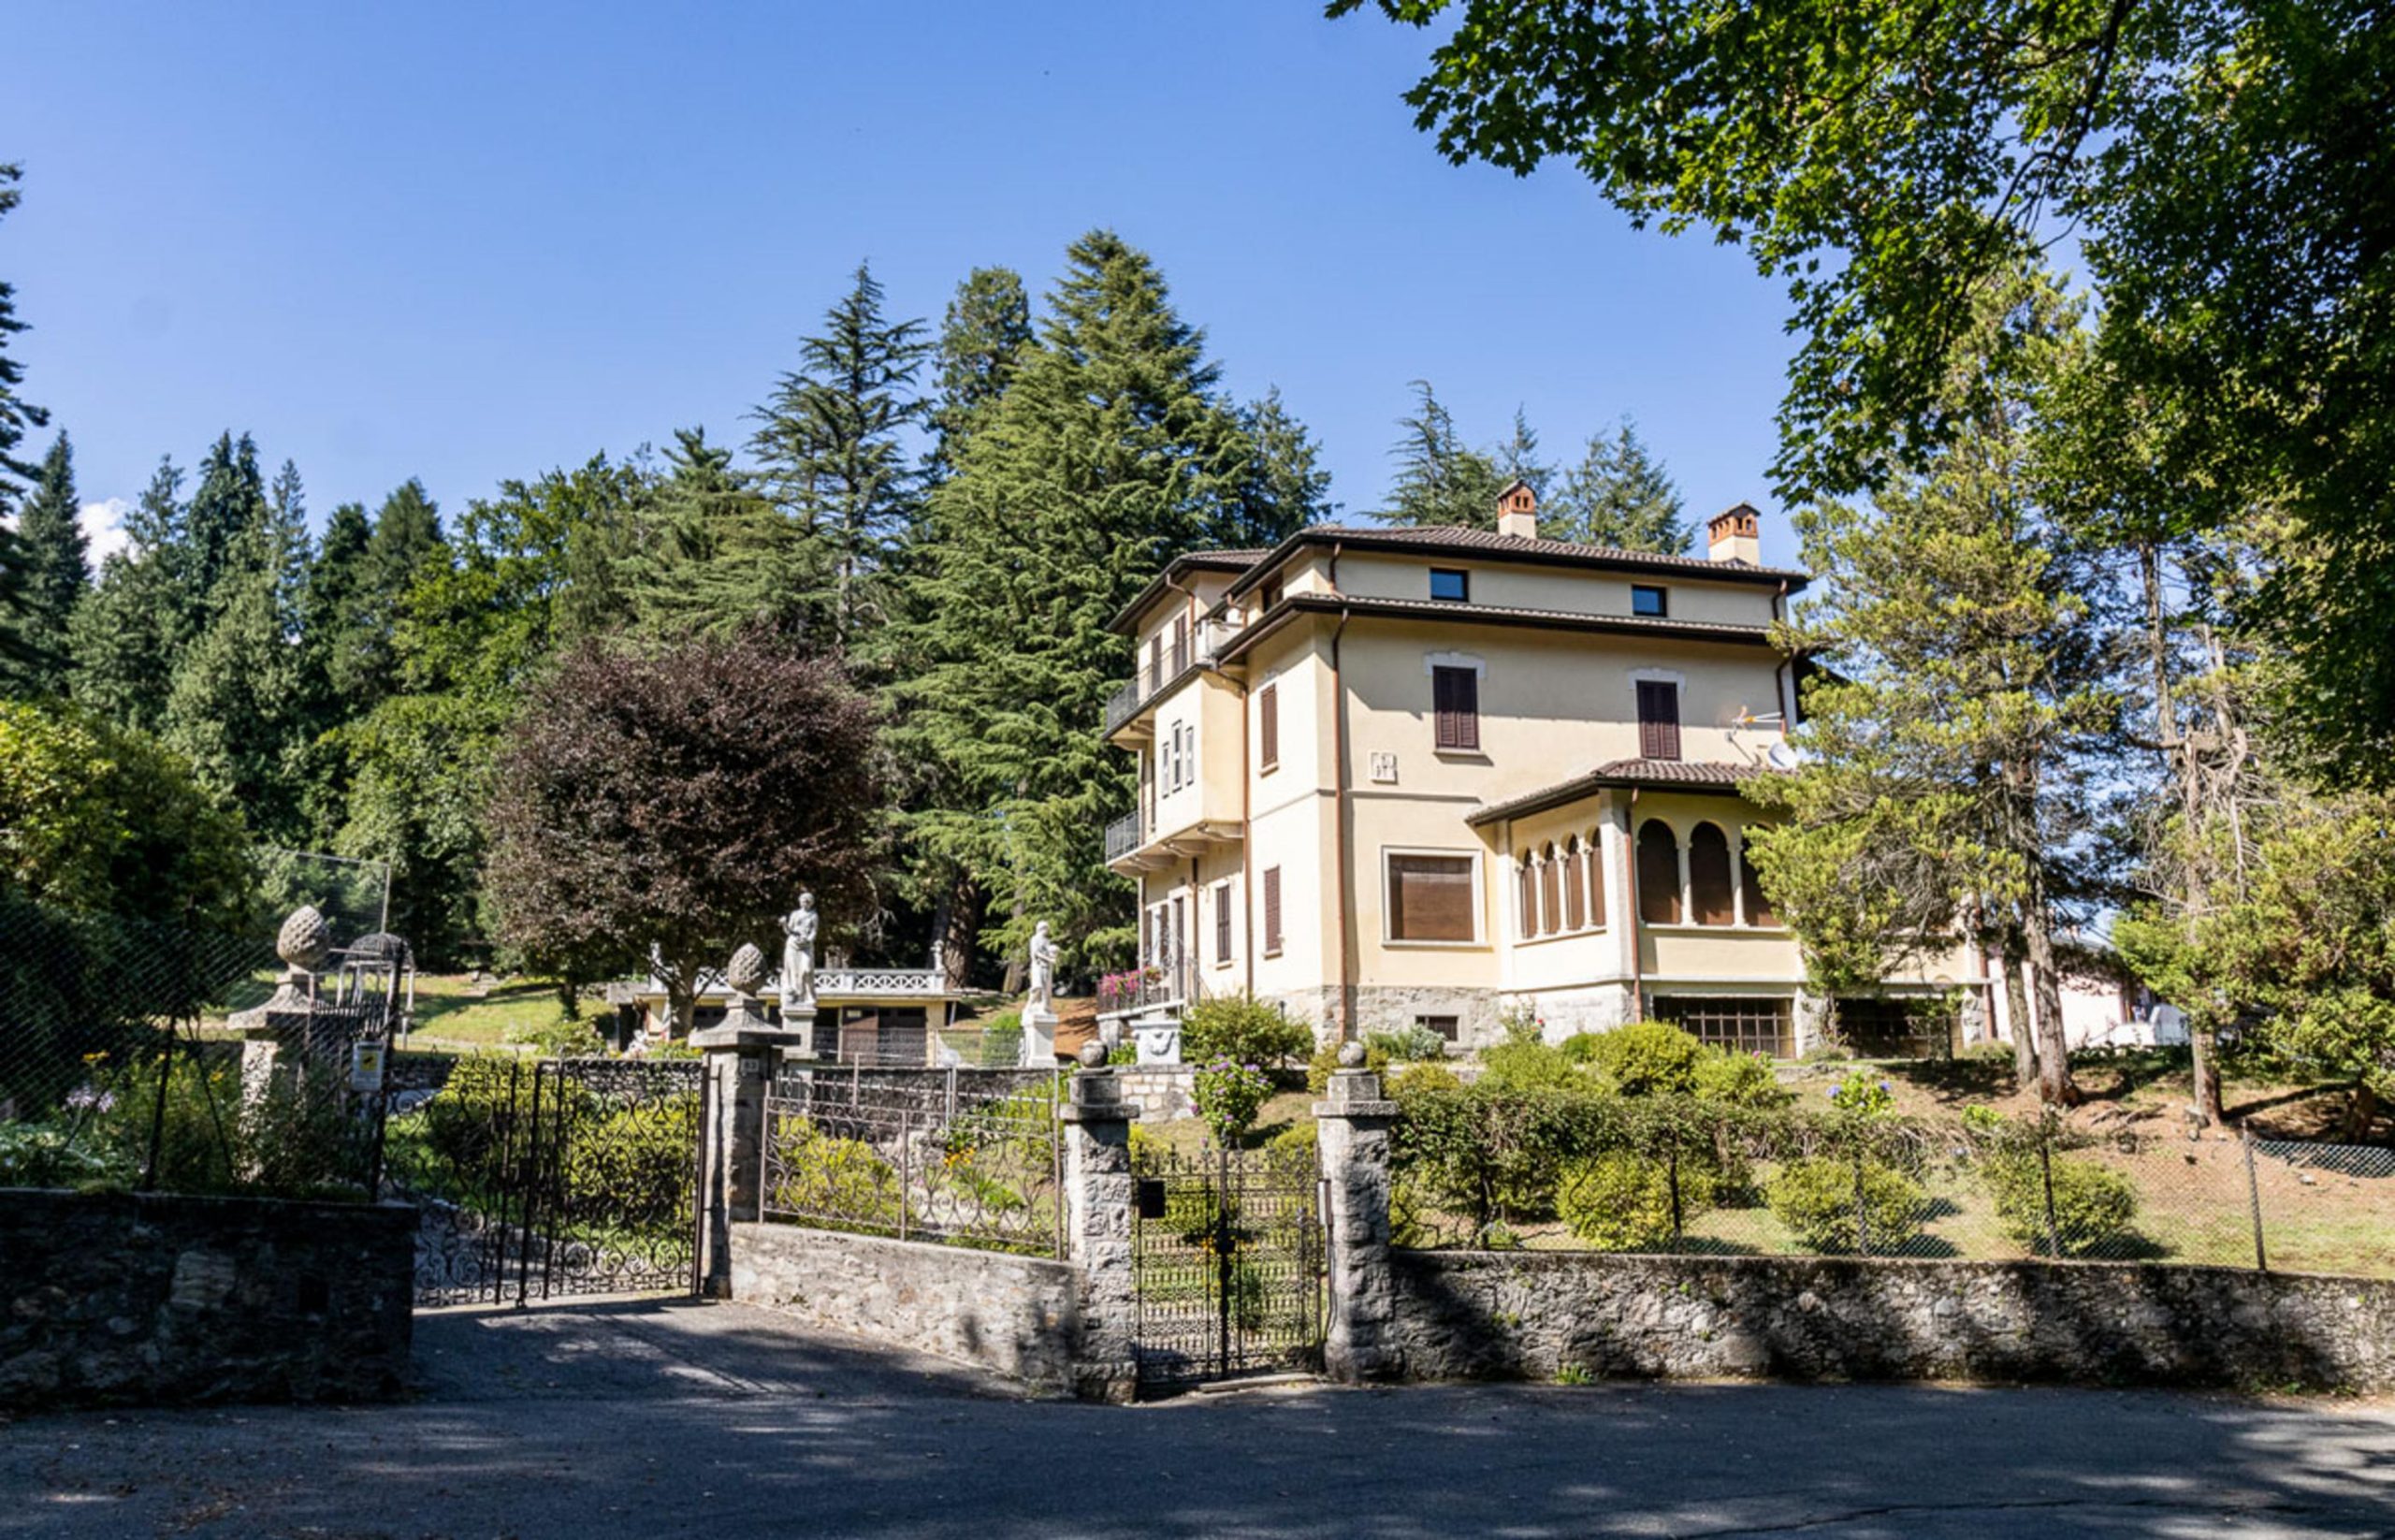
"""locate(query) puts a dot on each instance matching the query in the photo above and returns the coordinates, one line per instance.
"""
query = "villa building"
(1397, 776)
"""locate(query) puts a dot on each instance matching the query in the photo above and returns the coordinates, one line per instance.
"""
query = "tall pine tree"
(58, 567)
(22, 652)
(1619, 495)
(712, 557)
(128, 636)
(1109, 454)
(1286, 488)
(832, 441)
(982, 339)
(1440, 478)
(406, 544)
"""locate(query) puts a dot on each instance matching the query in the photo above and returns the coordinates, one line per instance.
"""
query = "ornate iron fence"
(971, 1157)
(1227, 1264)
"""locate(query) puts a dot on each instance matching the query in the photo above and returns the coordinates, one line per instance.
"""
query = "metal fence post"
(1672, 1175)
(906, 1169)
(1861, 1211)
(2046, 1175)
(2254, 1201)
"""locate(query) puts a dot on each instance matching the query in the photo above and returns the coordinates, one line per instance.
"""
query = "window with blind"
(1659, 719)
(1658, 874)
(1222, 922)
(1267, 727)
(1454, 706)
(1272, 911)
(1431, 898)
(1708, 876)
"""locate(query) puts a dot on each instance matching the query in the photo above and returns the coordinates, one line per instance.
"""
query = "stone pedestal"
(798, 1022)
(1097, 1224)
(741, 1058)
(1352, 1124)
(1039, 1038)
(1157, 1038)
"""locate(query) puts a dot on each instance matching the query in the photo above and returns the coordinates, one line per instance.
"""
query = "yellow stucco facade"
(1376, 856)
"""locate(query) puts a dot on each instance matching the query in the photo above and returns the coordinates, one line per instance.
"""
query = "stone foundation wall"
(1163, 1091)
(1472, 1315)
(1391, 1007)
(155, 1299)
(1561, 1012)
(1018, 1315)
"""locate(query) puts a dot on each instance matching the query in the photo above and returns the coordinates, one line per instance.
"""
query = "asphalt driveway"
(724, 1422)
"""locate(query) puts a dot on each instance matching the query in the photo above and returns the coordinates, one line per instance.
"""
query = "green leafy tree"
(1440, 479)
(1110, 452)
(58, 568)
(1519, 458)
(712, 554)
(227, 506)
(1620, 496)
(1956, 748)
(406, 544)
(21, 648)
(1286, 487)
(831, 440)
(2220, 170)
(666, 805)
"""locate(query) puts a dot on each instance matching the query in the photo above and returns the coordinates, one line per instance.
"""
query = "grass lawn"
(452, 1014)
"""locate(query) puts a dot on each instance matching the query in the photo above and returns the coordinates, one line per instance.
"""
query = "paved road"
(722, 1422)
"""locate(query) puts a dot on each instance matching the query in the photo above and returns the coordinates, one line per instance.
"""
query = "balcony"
(1166, 664)
(1125, 834)
(1165, 985)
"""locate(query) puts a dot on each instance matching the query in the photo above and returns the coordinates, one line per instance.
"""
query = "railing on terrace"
(1214, 635)
(1125, 834)
(970, 1157)
(1145, 988)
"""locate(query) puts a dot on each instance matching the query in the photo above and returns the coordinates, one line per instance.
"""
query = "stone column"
(742, 1056)
(1097, 1226)
(1353, 1125)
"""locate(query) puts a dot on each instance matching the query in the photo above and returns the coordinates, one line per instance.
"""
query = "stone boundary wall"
(1164, 1091)
(154, 1299)
(1018, 1315)
(1528, 1314)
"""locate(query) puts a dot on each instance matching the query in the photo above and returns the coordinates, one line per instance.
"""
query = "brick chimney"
(1730, 536)
(1518, 512)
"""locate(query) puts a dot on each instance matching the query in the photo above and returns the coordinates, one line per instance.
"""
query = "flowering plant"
(1229, 1097)
(1860, 1097)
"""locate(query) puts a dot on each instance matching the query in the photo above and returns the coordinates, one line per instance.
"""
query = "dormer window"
(1452, 584)
(1649, 599)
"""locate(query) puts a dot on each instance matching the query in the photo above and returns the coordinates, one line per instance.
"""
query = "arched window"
(1658, 874)
(1526, 876)
(1575, 886)
(1551, 888)
(1708, 876)
(1593, 863)
(1758, 904)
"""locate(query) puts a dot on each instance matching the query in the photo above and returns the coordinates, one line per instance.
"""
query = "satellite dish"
(1783, 756)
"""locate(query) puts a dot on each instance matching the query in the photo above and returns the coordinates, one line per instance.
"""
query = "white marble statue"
(798, 956)
(1044, 967)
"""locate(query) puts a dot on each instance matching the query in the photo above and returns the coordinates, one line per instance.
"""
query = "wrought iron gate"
(1227, 1261)
(546, 1179)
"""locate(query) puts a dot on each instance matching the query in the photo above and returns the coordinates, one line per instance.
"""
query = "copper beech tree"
(658, 809)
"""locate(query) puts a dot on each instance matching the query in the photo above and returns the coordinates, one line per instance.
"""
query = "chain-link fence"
(352, 896)
(1561, 1171)
(117, 1066)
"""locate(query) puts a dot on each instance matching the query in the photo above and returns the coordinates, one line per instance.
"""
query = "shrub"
(1228, 1096)
(1299, 1141)
(1242, 1030)
(1862, 1098)
(562, 1039)
(629, 1167)
(1414, 1078)
(1483, 1152)
(834, 1180)
(1643, 1058)
(1739, 1079)
(1407, 1045)
(2093, 1204)
(42, 1154)
(1002, 1041)
(1515, 1064)
(1815, 1199)
(1622, 1201)
(1325, 1059)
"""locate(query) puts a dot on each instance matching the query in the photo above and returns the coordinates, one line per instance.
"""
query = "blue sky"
(473, 242)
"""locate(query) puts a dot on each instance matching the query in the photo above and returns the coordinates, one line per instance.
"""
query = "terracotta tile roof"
(1464, 613)
(1694, 774)
(1463, 541)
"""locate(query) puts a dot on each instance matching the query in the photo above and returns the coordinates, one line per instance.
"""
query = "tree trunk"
(2203, 1050)
(2361, 1110)
(955, 922)
(2016, 1006)
(2055, 1085)
(570, 999)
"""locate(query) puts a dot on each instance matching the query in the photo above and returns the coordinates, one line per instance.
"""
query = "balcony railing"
(1213, 633)
(1125, 834)
(1165, 983)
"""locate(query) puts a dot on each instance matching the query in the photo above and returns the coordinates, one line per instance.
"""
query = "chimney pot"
(1730, 535)
(1518, 512)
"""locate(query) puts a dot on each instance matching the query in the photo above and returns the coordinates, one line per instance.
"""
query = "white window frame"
(1479, 899)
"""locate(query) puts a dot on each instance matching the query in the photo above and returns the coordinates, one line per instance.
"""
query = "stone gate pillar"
(742, 1054)
(1352, 1125)
(1097, 1226)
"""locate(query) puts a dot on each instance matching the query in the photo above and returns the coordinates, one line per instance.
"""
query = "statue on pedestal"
(1042, 968)
(798, 956)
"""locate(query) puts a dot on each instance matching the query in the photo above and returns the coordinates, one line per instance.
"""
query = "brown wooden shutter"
(1528, 878)
(1272, 909)
(1431, 898)
(1659, 719)
(1658, 874)
(1455, 702)
(1576, 889)
(1267, 725)
(1179, 643)
(1594, 867)
(1222, 922)
(1708, 876)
